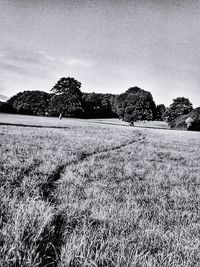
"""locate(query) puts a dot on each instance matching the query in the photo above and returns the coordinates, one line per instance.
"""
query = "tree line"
(66, 99)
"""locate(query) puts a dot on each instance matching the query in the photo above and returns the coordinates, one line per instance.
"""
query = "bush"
(190, 121)
(193, 120)
(180, 106)
(180, 123)
(6, 108)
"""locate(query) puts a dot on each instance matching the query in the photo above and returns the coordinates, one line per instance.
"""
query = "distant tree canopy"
(30, 102)
(136, 104)
(68, 105)
(98, 105)
(160, 110)
(69, 101)
(180, 106)
(6, 108)
(66, 86)
(67, 98)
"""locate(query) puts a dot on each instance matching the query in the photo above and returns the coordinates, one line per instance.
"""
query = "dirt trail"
(48, 188)
(50, 254)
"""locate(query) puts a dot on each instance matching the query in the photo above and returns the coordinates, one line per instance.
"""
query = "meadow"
(98, 193)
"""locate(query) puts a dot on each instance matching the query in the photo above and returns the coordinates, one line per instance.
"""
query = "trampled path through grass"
(48, 194)
(47, 188)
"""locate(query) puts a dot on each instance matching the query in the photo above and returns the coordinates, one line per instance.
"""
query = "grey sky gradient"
(107, 45)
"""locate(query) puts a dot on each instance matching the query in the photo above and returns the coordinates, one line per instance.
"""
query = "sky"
(108, 45)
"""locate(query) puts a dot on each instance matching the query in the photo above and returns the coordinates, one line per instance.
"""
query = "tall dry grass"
(99, 195)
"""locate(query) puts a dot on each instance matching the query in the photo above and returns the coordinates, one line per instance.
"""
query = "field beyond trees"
(97, 193)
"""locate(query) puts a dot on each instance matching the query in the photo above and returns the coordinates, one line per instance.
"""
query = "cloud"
(45, 55)
(77, 62)
(18, 59)
(24, 70)
(13, 55)
(13, 68)
(25, 62)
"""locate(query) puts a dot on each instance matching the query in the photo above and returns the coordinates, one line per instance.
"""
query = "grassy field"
(97, 193)
(23, 120)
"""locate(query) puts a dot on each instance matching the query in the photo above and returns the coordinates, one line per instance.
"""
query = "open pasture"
(51, 122)
(88, 193)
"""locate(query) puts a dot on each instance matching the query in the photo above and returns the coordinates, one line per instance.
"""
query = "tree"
(135, 104)
(30, 102)
(180, 122)
(66, 86)
(160, 110)
(67, 105)
(98, 105)
(113, 104)
(180, 106)
(193, 120)
(190, 121)
(6, 108)
(67, 98)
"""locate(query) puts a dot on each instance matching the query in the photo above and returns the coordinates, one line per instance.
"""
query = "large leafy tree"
(66, 86)
(180, 106)
(67, 98)
(135, 104)
(30, 102)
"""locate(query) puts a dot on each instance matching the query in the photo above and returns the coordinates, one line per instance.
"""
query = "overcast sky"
(108, 46)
